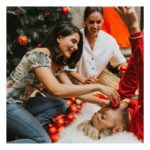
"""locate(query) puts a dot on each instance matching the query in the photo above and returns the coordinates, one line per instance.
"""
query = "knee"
(64, 106)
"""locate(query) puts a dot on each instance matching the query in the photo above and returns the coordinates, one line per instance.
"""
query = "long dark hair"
(63, 29)
(89, 10)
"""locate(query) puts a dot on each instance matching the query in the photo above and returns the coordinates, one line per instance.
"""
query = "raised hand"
(130, 18)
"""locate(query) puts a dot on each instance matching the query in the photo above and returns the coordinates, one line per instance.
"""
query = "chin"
(94, 33)
(67, 56)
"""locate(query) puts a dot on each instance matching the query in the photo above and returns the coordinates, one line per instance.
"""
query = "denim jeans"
(27, 120)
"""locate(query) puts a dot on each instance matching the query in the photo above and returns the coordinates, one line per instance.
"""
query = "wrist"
(97, 87)
(134, 29)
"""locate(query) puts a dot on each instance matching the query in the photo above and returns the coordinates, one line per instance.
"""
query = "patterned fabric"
(22, 81)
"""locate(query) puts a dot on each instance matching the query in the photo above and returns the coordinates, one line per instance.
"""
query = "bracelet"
(137, 37)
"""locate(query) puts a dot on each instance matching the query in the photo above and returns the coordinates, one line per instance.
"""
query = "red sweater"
(136, 125)
(133, 79)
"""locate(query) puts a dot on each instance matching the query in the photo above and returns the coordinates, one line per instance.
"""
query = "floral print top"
(22, 81)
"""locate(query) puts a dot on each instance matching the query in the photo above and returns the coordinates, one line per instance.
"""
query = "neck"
(91, 37)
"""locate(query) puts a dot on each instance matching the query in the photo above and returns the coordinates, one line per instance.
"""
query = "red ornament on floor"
(63, 120)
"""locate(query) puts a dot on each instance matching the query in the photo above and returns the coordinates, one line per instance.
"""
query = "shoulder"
(105, 35)
(38, 58)
(45, 51)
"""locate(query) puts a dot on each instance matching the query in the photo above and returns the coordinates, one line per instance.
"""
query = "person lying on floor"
(109, 121)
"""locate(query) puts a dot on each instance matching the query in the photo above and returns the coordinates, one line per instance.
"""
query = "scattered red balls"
(63, 120)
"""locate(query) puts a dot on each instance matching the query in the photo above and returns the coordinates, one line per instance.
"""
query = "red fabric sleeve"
(136, 125)
(133, 77)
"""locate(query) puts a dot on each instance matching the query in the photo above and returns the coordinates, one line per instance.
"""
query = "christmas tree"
(27, 27)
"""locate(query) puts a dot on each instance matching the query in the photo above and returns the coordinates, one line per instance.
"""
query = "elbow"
(57, 93)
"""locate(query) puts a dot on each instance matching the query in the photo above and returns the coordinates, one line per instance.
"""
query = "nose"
(95, 25)
(75, 46)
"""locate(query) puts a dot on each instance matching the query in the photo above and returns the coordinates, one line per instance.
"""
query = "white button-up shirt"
(105, 50)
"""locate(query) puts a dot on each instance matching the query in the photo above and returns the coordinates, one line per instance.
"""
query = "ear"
(59, 39)
(123, 105)
(117, 129)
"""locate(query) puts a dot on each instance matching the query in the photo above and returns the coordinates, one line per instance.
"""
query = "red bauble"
(54, 137)
(79, 106)
(73, 108)
(69, 102)
(50, 125)
(47, 13)
(100, 96)
(53, 130)
(122, 68)
(73, 99)
(59, 116)
(65, 10)
(114, 105)
(70, 116)
(22, 40)
(59, 129)
(59, 122)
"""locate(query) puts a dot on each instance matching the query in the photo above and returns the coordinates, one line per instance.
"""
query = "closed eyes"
(92, 22)
(74, 41)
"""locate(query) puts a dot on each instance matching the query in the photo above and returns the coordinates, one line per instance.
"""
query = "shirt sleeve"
(39, 59)
(117, 56)
(66, 68)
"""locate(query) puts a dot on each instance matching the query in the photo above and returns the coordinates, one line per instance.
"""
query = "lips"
(94, 31)
(69, 52)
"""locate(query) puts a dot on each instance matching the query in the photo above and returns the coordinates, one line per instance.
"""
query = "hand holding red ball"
(122, 68)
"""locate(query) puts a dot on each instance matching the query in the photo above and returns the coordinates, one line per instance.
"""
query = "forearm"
(65, 90)
(138, 59)
(63, 77)
(58, 89)
(92, 99)
(77, 76)
(84, 98)
(134, 29)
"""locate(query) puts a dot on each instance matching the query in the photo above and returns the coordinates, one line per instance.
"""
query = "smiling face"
(68, 44)
(93, 23)
(108, 118)
(102, 120)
